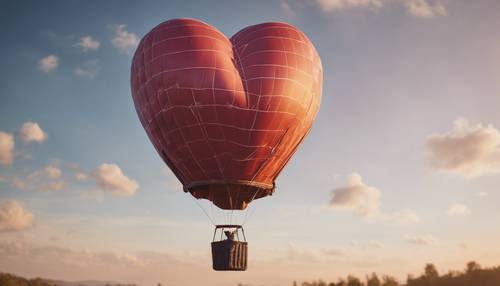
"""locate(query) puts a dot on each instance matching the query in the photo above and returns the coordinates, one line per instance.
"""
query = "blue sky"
(401, 167)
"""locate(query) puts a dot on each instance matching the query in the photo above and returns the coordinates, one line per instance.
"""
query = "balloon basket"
(229, 253)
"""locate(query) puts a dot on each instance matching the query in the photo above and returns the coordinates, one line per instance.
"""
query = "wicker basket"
(229, 254)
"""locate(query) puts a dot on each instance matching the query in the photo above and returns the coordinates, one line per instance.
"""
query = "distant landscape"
(473, 275)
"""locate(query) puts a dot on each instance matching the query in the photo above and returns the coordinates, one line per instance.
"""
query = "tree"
(372, 280)
(353, 281)
(472, 266)
(431, 271)
(389, 281)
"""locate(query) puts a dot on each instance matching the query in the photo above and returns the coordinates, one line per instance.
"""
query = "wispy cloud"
(301, 254)
(405, 216)
(421, 240)
(87, 43)
(417, 8)
(48, 178)
(13, 217)
(48, 63)
(458, 210)
(88, 69)
(124, 40)
(32, 132)
(468, 150)
(287, 9)
(425, 9)
(332, 5)
(366, 245)
(7, 145)
(81, 176)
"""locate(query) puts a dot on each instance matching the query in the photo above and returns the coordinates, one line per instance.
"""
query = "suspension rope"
(203, 209)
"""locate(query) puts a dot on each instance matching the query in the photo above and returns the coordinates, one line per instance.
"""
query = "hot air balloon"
(226, 115)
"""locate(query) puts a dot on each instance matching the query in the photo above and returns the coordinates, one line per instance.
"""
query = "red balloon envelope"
(225, 114)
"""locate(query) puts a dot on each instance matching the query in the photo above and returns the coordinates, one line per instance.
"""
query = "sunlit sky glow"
(402, 166)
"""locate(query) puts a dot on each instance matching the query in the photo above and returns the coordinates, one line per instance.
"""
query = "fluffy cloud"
(356, 196)
(124, 40)
(110, 178)
(423, 8)
(417, 8)
(364, 201)
(88, 69)
(13, 217)
(458, 210)
(421, 240)
(31, 131)
(6, 148)
(48, 64)
(88, 44)
(466, 150)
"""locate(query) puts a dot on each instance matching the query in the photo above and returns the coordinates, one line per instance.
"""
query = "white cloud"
(88, 69)
(124, 40)
(466, 150)
(110, 177)
(356, 196)
(6, 148)
(421, 240)
(458, 210)
(13, 217)
(417, 8)
(88, 44)
(48, 64)
(287, 9)
(31, 131)
(423, 8)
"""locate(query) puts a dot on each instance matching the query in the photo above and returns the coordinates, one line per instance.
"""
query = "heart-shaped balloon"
(224, 114)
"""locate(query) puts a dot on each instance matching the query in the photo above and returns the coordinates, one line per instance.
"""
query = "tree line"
(7, 279)
(473, 275)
